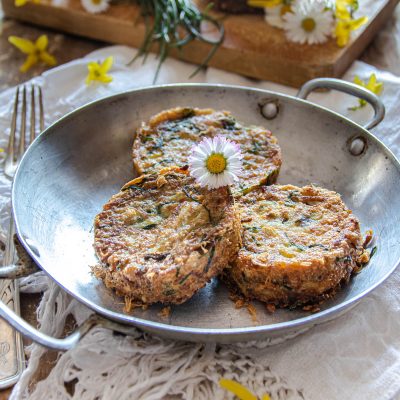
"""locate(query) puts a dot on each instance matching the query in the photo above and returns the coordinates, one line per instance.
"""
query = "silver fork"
(11, 346)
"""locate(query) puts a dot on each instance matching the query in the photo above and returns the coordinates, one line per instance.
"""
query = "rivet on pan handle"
(349, 88)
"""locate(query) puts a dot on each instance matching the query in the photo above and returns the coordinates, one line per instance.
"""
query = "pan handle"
(27, 266)
(68, 342)
(349, 88)
(24, 267)
(14, 271)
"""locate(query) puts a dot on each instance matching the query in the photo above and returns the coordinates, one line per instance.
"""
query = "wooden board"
(251, 48)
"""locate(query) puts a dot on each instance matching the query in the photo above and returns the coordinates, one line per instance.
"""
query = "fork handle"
(10, 248)
(11, 348)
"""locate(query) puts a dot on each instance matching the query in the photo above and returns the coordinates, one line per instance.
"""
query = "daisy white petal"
(215, 162)
(274, 15)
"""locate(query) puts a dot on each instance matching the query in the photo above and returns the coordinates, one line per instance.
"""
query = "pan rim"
(200, 332)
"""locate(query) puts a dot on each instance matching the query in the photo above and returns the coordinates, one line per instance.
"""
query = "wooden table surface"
(64, 48)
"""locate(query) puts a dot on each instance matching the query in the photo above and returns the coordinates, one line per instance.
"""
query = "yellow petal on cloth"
(106, 79)
(107, 64)
(358, 81)
(373, 85)
(48, 58)
(24, 45)
(92, 65)
(237, 389)
(42, 42)
(31, 60)
(36, 51)
(98, 72)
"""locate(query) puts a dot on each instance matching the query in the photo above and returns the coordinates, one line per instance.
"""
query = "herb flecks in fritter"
(299, 245)
(169, 136)
(163, 237)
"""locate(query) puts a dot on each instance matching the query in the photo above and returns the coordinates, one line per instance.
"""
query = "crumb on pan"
(270, 307)
(252, 311)
(165, 312)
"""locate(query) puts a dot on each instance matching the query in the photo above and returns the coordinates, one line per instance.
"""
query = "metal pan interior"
(75, 166)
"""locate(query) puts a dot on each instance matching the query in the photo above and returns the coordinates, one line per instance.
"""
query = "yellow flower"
(345, 26)
(264, 3)
(373, 85)
(36, 51)
(20, 3)
(98, 72)
(239, 390)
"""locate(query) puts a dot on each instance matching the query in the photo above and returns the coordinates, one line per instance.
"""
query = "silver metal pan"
(74, 167)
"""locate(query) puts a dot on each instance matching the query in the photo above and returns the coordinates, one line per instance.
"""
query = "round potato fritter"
(168, 137)
(299, 245)
(163, 237)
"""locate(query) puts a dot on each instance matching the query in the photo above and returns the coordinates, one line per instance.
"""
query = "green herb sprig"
(174, 24)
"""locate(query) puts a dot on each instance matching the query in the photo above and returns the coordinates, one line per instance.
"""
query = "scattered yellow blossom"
(264, 3)
(373, 85)
(344, 27)
(98, 72)
(20, 3)
(239, 390)
(36, 51)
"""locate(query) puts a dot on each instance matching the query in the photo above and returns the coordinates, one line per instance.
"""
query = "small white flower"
(215, 162)
(95, 6)
(309, 22)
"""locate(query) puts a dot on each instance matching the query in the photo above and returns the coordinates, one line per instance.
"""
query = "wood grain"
(251, 48)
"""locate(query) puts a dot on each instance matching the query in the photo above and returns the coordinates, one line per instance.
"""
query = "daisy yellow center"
(308, 24)
(216, 163)
(96, 2)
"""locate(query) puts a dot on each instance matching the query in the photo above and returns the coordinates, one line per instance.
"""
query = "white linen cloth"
(354, 357)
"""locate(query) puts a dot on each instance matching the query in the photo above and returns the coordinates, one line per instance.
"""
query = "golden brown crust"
(163, 237)
(168, 137)
(299, 245)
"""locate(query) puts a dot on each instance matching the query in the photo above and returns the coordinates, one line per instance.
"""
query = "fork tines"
(19, 120)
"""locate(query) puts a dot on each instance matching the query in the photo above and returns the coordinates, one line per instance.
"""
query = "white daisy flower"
(309, 22)
(215, 162)
(274, 15)
(95, 6)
